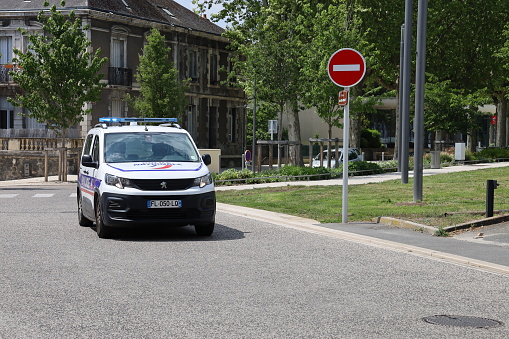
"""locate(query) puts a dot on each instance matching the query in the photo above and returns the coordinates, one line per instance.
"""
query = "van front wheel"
(103, 231)
(82, 220)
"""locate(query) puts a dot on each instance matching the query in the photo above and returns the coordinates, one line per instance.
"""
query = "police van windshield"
(146, 146)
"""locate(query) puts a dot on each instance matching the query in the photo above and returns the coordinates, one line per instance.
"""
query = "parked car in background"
(354, 154)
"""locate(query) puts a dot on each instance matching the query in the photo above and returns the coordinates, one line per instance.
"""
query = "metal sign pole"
(346, 68)
(346, 138)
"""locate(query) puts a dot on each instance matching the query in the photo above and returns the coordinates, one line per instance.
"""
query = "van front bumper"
(132, 211)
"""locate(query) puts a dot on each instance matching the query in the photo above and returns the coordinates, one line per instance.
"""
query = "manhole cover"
(462, 321)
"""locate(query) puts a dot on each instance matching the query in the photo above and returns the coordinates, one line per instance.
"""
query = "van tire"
(103, 231)
(82, 220)
(204, 230)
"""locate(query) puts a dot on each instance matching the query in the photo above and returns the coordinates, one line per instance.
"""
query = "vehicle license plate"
(164, 203)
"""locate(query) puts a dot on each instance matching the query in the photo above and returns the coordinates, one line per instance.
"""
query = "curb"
(432, 229)
(478, 223)
(406, 224)
(313, 226)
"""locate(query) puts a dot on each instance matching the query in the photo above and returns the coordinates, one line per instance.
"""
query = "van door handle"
(86, 172)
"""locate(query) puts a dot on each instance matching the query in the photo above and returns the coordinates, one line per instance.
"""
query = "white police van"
(139, 175)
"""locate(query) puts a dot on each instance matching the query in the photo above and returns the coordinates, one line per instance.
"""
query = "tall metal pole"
(400, 95)
(405, 109)
(346, 138)
(253, 153)
(419, 98)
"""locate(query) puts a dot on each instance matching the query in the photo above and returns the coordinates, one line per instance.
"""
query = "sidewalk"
(52, 180)
(357, 180)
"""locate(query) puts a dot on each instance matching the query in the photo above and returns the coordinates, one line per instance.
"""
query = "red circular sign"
(346, 67)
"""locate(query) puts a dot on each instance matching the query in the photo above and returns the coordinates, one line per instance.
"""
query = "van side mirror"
(86, 160)
(206, 159)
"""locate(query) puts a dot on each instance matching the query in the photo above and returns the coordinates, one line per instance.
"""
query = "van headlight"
(203, 181)
(118, 182)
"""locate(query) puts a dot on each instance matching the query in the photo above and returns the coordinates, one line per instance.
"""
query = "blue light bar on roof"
(113, 119)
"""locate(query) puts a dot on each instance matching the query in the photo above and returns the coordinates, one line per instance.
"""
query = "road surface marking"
(7, 196)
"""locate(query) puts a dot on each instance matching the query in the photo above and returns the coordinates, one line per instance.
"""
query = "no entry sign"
(346, 67)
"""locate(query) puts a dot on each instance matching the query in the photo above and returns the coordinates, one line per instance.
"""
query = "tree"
(461, 49)
(161, 93)
(450, 110)
(58, 74)
(267, 37)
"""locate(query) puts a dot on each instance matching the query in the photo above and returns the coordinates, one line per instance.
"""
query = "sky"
(189, 5)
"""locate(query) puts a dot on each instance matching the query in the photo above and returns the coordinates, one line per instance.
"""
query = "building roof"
(162, 11)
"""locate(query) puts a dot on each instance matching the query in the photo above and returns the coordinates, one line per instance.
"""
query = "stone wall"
(28, 164)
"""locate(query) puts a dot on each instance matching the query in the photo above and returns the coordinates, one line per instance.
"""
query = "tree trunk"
(355, 132)
(501, 121)
(472, 140)
(294, 134)
(279, 134)
(439, 137)
(329, 145)
(398, 122)
(491, 141)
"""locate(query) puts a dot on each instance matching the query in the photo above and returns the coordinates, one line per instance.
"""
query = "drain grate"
(462, 321)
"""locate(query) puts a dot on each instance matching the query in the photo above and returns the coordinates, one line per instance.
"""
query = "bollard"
(491, 185)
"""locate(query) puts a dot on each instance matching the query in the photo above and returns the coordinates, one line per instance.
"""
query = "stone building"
(216, 114)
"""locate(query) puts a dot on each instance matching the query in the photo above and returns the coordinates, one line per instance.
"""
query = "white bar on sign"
(344, 68)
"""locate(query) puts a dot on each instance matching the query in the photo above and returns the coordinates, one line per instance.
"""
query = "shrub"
(493, 153)
(364, 168)
(445, 157)
(370, 138)
(356, 168)
(388, 165)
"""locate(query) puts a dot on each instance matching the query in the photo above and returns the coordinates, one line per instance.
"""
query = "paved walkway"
(358, 180)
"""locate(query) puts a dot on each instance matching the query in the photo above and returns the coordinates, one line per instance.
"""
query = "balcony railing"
(120, 76)
(36, 144)
(4, 73)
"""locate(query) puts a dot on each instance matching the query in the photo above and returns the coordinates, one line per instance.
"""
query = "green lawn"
(443, 193)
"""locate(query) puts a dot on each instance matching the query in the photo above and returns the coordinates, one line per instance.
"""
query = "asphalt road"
(251, 279)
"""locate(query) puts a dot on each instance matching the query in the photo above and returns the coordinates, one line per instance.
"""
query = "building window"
(191, 114)
(117, 108)
(213, 127)
(232, 125)
(192, 66)
(5, 50)
(231, 78)
(6, 114)
(6, 119)
(118, 46)
(214, 80)
(118, 73)
(5, 58)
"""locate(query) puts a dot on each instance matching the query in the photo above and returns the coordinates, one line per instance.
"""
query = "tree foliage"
(465, 52)
(161, 92)
(58, 73)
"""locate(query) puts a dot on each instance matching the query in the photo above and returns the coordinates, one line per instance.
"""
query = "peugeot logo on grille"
(163, 185)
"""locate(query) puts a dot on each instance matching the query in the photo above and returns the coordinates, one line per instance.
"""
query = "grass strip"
(455, 194)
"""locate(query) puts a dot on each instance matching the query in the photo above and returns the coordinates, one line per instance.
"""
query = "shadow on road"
(170, 234)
